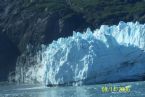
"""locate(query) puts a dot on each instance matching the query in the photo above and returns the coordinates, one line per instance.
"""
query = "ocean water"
(135, 89)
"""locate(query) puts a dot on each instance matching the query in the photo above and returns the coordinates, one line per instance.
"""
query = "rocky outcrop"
(36, 26)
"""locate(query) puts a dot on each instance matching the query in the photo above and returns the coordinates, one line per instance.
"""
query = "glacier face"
(107, 54)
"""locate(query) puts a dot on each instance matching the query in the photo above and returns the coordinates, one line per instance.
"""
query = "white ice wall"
(104, 55)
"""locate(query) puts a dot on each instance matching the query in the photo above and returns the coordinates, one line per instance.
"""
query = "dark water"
(131, 89)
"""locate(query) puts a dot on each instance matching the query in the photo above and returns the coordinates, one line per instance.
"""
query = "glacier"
(109, 54)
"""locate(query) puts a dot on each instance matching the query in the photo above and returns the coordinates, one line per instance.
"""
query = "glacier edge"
(109, 54)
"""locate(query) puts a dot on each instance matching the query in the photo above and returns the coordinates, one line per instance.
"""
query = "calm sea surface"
(130, 89)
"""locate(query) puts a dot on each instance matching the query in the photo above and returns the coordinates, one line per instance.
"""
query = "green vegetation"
(93, 11)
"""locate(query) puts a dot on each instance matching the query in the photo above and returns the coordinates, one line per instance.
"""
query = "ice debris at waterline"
(107, 54)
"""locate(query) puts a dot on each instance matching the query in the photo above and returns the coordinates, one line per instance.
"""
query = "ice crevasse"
(109, 54)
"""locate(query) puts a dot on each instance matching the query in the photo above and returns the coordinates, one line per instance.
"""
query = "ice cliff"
(109, 54)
